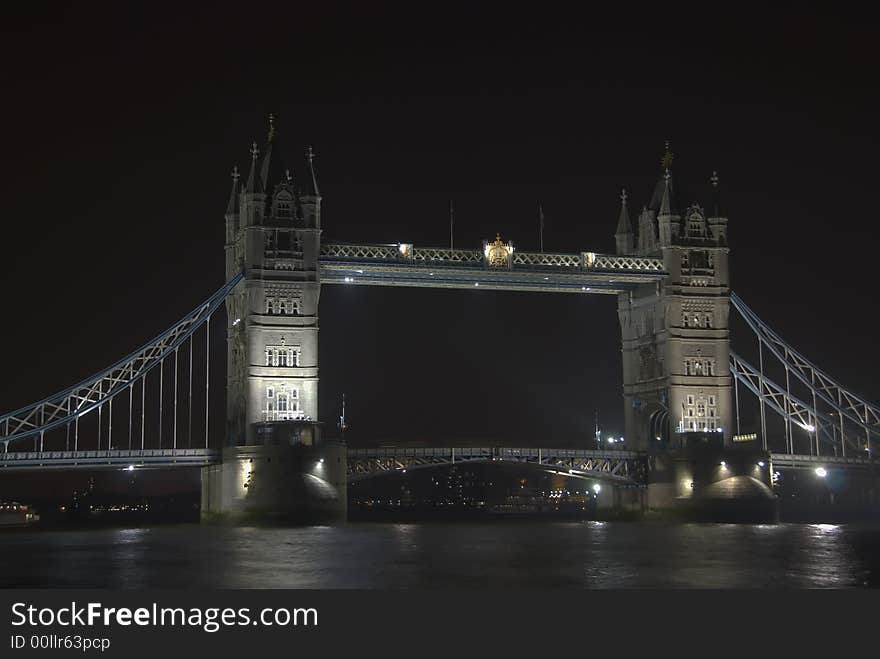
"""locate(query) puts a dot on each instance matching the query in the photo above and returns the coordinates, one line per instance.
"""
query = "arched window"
(270, 305)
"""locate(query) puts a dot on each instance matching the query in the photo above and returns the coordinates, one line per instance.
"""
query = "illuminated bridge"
(683, 384)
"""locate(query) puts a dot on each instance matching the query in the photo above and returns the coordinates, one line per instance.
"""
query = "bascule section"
(675, 333)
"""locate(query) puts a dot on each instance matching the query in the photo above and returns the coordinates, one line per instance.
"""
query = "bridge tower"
(675, 335)
(273, 235)
(275, 463)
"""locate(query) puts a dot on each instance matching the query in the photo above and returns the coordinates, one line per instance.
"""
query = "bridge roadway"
(406, 265)
(615, 465)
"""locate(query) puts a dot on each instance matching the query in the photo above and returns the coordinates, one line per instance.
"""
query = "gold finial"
(287, 175)
(623, 196)
(235, 174)
(271, 126)
(666, 162)
(310, 155)
(255, 151)
(714, 179)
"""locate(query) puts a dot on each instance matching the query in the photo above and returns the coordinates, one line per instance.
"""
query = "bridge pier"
(712, 483)
(277, 483)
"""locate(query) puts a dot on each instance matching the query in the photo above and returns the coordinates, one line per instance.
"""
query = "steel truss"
(69, 405)
(622, 466)
(434, 257)
(845, 404)
(115, 459)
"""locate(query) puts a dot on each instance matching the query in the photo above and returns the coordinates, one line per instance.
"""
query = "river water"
(470, 555)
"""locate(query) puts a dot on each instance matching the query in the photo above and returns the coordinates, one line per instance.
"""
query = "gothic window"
(282, 306)
(712, 400)
(270, 305)
(270, 392)
(283, 209)
(708, 319)
(294, 307)
(282, 355)
(685, 320)
(690, 400)
(701, 407)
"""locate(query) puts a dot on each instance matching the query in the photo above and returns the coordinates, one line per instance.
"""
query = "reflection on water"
(540, 554)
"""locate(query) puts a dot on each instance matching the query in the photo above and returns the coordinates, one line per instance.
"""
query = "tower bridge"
(683, 386)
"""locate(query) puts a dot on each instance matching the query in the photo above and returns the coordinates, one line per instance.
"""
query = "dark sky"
(121, 126)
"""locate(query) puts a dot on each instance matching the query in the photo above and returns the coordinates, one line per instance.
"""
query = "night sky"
(121, 127)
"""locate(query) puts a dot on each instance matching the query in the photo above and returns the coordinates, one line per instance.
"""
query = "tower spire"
(624, 234)
(232, 206)
(254, 182)
(310, 156)
(666, 202)
(716, 195)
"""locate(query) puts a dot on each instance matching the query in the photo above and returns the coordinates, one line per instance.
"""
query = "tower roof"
(716, 196)
(663, 199)
(312, 180)
(624, 226)
(272, 167)
(254, 181)
(234, 196)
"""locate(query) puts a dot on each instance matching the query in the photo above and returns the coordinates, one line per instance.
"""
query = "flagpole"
(541, 226)
(451, 225)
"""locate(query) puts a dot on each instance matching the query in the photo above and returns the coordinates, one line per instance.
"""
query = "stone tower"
(675, 335)
(273, 235)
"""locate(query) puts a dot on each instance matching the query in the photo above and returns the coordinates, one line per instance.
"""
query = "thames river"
(469, 555)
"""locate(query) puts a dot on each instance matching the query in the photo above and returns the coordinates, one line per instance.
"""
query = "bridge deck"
(406, 265)
(624, 465)
(108, 459)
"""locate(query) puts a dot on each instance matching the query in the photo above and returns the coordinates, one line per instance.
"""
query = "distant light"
(321, 461)
(808, 427)
(348, 280)
(658, 438)
(236, 322)
(476, 283)
(596, 488)
(760, 464)
(723, 464)
(360, 272)
(691, 485)
(129, 468)
(403, 472)
(820, 472)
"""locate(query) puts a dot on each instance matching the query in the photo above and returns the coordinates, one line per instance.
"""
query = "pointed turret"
(254, 181)
(272, 167)
(310, 156)
(232, 207)
(311, 199)
(624, 234)
(664, 187)
(717, 222)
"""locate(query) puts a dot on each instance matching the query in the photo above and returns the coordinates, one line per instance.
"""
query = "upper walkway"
(504, 268)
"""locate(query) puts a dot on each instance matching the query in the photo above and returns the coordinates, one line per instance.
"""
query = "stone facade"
(273, 233)
(675, 333)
